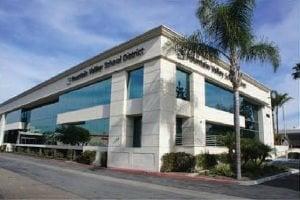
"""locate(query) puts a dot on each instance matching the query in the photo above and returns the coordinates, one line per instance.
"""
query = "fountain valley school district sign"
(107, 64)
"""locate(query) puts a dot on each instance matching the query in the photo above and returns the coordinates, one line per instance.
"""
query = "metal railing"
(213, 140)
(178, 139)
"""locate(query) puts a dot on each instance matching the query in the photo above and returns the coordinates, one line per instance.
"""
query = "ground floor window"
(11, 136)
(178, 139)
(137, 132)
(214, 131)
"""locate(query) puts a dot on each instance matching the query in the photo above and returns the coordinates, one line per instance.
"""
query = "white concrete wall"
(134, 107)
(266, 134)
(2, 128)
(221, 117)
(167, 103)
(14, 126)
(96, 112)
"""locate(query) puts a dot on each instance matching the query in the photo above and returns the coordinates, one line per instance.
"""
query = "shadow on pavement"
(289, 182)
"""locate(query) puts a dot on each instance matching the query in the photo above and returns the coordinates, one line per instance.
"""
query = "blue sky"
(40, 38)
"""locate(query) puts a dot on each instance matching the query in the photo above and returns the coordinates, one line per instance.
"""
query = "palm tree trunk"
(273, 121)
(277, 123)
(237, 132)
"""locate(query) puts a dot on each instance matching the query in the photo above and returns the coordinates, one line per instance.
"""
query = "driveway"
(28, 177)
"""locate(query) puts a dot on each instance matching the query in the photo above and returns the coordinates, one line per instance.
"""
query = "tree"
(73, 135)
(296, 73)
(296, 76)
(227, 34)
(277, 101)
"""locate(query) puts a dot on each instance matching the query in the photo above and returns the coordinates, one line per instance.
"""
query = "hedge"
(294, 155)
(178, 162)
(206, 161)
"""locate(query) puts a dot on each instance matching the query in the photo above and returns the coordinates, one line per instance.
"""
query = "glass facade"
(135, 83)
(222, 99)
(96, 127)
(219, 98)
(14, 116)
(250, 112)
(43, 119)
(182, 85)
(92, 95)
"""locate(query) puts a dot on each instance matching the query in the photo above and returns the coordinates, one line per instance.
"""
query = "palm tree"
(277, 101)
(296, 73)
(296, 76)
(227, 34)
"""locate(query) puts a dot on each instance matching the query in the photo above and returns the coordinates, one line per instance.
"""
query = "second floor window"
(135, 83)
(182, 85)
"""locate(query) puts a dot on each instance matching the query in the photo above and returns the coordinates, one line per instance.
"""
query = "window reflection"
(135, 83)
(182, 85)
(92, 95)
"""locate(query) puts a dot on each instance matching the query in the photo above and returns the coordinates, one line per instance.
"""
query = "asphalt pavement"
(28, 177)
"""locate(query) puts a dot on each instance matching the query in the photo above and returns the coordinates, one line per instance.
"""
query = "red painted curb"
(182, 176)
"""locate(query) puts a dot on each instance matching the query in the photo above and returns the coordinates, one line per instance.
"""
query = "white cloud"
(21, 70)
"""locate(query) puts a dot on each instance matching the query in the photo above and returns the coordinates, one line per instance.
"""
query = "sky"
(39, 38)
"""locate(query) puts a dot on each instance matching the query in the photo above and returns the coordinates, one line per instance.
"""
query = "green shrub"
(294, 155)
(223, 158)
(206, 161)
(178, 162)
(254, 151)
(87, 157)
(48, 153)
(59, 154)
(222, 169)
(2, 148)
(73, 135)
(254, 170)
(251, 150)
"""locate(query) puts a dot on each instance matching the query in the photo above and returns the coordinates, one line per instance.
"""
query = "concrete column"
(194, 127)
(2, 128)
(117, 123)
(167, 105)
(266, 126)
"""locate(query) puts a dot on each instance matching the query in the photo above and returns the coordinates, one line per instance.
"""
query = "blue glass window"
(182, 85)
(14, 116)
(135, 83)
(97, 126)
(92, 95)
(219, 98)
(250, 112)
(43, 118)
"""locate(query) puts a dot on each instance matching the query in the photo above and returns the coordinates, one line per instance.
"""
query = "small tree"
(252, 150)
(49, 138)
(73, 135)
(277, 101)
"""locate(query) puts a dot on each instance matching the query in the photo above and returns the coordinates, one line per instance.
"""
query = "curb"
(181, 176)
(269, 178)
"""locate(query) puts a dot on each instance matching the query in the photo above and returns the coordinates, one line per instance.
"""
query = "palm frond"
(195, 45)
(228, 23)
(279, 99)
(241, 12)
(264, 52)
(296, 73)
